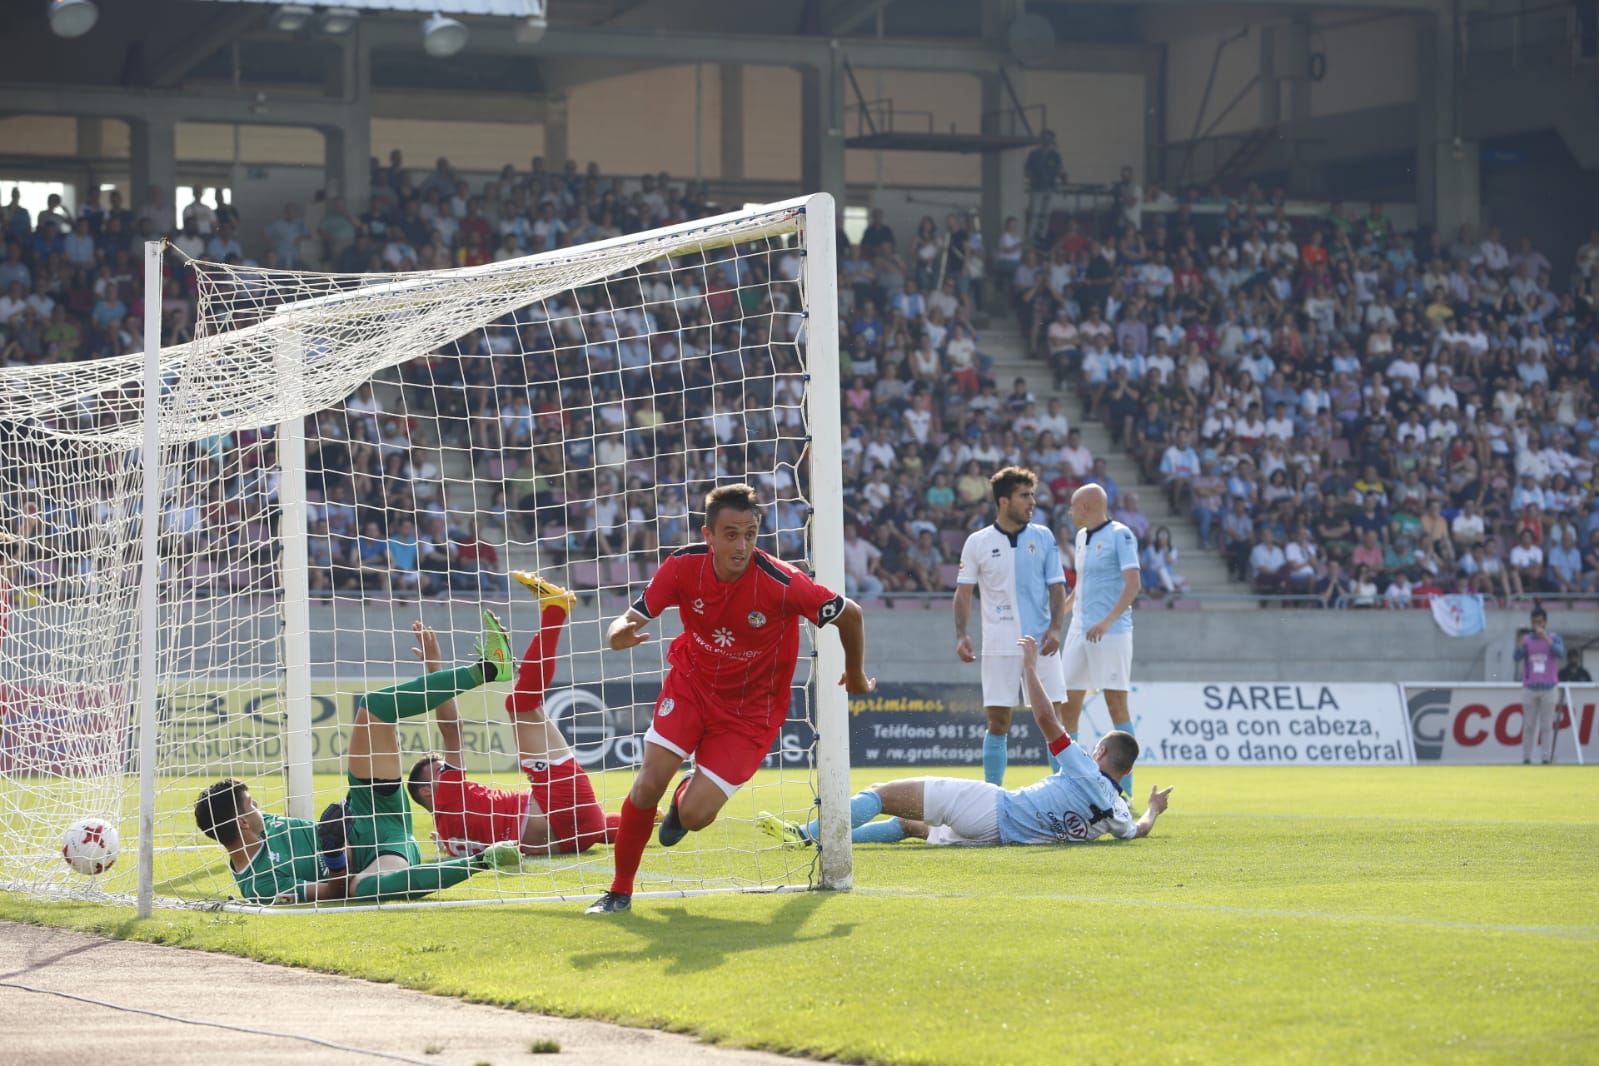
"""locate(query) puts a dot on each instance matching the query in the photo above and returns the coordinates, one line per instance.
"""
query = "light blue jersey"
(1102, 555)
(1073, 805)
(1013, 574)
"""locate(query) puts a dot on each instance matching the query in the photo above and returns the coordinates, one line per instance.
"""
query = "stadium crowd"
(1344, 411)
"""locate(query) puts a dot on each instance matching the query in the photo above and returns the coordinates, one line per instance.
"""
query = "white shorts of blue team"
(1104, 664)
(961, 812)
(1002, 680)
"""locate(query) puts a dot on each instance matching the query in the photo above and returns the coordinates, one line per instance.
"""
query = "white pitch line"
(1298, 816)
(1565, 932)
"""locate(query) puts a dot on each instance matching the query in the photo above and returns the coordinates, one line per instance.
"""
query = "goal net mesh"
(562, 413)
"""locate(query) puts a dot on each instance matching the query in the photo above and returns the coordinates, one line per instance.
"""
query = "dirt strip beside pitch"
(219, 1008)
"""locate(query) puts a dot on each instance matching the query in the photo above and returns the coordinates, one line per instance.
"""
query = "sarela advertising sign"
(1264, 724)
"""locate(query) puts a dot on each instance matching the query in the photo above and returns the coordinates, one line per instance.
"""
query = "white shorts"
(1002, 680)
(961, 812)
(1105, 665)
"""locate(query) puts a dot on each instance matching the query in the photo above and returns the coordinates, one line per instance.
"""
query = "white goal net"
(343, 456)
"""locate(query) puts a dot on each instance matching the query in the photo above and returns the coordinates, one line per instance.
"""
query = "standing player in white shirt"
(1016, 566)
(1098, 652)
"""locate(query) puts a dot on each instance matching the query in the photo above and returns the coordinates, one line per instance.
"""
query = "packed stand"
(1351, 415)
(597, 418)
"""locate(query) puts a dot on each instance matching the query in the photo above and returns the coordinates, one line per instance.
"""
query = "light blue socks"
(994, 759)
(1127, 782)
(887, 831)
(863, 807)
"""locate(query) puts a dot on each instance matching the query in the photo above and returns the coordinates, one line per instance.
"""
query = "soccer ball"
(90, 846)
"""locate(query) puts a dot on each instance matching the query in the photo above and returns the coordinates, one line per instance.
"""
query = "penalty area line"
(1561, 932)
(1403, 819)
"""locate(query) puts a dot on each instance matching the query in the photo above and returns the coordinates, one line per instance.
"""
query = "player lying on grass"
(557, 813)
(1079, 802)
(362, 848)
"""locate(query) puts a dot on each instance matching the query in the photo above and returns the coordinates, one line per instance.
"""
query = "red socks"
(538, 663)
(631, 836)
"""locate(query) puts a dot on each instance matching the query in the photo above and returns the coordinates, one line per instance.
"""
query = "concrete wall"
(1188, 67)
(645, 120)
(1369, 64)
(918, 645)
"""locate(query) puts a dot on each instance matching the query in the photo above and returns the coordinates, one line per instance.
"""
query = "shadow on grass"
(699, 942)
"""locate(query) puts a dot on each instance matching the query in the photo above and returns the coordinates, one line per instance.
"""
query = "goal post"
(335, 457)
(820, 275)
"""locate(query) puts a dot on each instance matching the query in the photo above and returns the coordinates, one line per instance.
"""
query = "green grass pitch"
(1277, 915)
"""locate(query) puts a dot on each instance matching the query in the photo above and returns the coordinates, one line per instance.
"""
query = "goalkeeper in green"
(362, 848)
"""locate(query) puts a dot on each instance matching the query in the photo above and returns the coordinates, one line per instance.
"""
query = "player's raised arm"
(446, 715)
(1038, 699)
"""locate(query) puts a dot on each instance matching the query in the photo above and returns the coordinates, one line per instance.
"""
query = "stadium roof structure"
(167, 44)
(490, 8)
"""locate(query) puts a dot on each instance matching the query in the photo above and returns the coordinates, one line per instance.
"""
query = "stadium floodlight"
(290, 18)
(72, 18)
(442, 37)
(336, 21)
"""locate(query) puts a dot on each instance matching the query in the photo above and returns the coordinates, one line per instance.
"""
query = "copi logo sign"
(1485, 724)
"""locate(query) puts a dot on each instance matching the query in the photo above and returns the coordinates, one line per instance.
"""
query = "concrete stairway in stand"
(1206, 572)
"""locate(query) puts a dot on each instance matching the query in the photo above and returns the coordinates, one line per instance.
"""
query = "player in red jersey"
(728, 691)
(557, 813)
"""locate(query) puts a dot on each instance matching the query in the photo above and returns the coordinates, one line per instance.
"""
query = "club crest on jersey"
(667, 705)
(1032, 547)
(756, 619)
(993, 553)
(723, 637)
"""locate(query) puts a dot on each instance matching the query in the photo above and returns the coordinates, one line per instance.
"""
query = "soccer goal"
(335, 457)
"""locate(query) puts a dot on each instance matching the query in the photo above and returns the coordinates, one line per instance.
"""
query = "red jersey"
(740, 639)
(468, 816)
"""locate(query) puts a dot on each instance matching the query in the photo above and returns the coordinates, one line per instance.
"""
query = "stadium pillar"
(347, 145)
(152, 155)
(822, 126)
(1447, 168)
(347, 161)
(555, 132)
(91, 145)
(1004, 194)
(732, 75)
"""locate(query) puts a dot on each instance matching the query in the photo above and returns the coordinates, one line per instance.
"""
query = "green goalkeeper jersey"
(288, 857)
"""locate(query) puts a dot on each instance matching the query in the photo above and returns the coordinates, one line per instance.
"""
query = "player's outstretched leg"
(414, 882)
(863, 807)
(538, 663)
(672, 828)
(423, 694)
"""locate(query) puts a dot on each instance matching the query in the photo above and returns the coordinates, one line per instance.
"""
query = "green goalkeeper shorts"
(379, 824)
